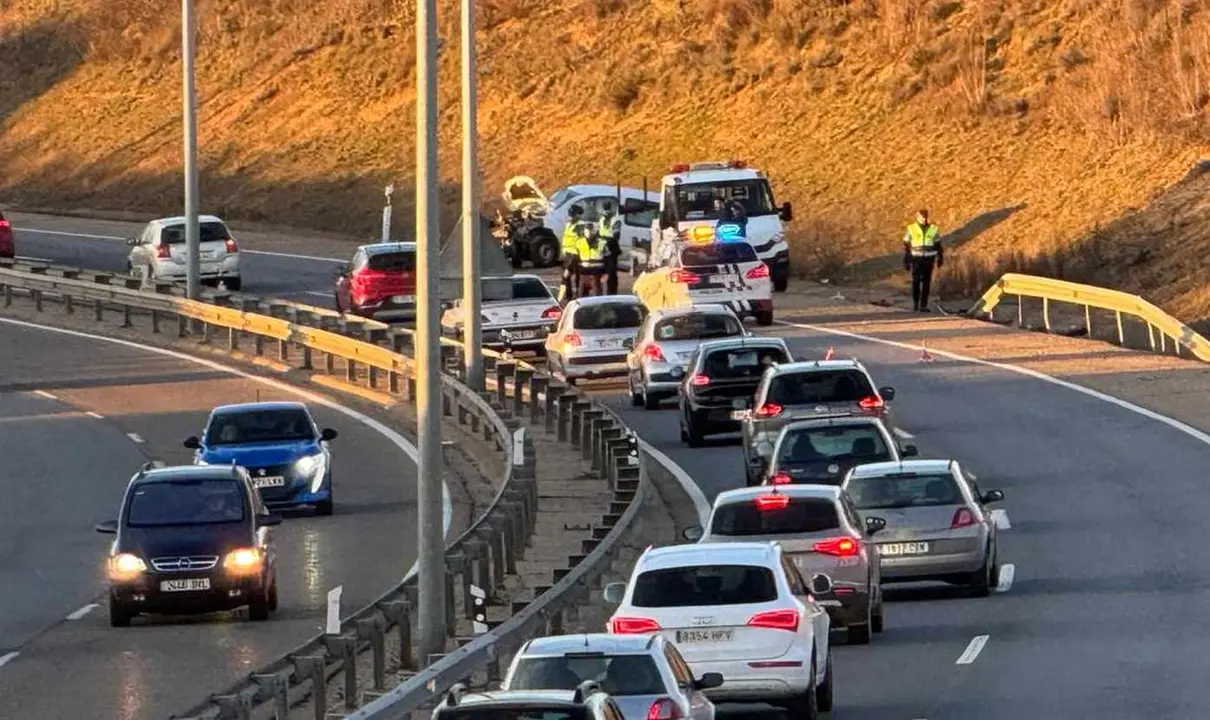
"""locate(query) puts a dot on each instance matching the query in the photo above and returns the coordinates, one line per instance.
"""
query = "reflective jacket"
(922, 242)
(572, 233)
(589, 255)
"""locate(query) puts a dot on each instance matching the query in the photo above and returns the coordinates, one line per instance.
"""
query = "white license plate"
(523, 334)
(609, 343)
(266, 482)
(701, 636)
(907, 548)
(739, 414)
(719, 279)
(185, 585)
(403, 299)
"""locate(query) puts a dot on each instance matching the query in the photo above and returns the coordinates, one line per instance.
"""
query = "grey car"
(644, 674)
(938, 526)
(821, 532)
(585, 702)
(665, 342)
(801, 390)
(593, 336)
(822, 450)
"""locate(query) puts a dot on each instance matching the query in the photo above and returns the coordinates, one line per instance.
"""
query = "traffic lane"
(168, 663)
(59, 466)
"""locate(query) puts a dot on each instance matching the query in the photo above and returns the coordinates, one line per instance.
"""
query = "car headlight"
(314, 467)
(243, 561)
(126, 566)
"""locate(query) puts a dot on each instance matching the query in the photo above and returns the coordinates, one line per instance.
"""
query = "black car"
(821, 450)
(191, 540)
(721, 380)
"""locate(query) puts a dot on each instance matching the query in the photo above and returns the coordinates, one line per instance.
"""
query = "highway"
(1101, 618)
(78, 417)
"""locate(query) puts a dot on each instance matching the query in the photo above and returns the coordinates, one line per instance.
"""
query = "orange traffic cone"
(924, 353)
(828, 355)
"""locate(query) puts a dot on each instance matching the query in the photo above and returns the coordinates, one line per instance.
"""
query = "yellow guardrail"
(1090, 296)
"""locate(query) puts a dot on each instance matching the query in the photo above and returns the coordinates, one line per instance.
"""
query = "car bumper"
(931, 567)
(227, 268)
(226, 592)
(744, 683)
(387, 311)
(301, 498)
(585, 369)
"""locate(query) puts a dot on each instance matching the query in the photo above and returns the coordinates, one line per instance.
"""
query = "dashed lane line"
(1005, 582)
(972, 650)
(83, 611)
(43, 393)
(6, 658)
(904, 434)
(96, 415)
(135, 437)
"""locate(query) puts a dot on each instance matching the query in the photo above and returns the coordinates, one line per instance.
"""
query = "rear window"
(397, 262)
(526, 711)
(618, 674)
(860, 442)
(530, 289)
(609, 316)
(739, 363)
(697, 326)
(186, 502)
(209, 232)
(718, 254)
(704, 585)
(801, 515)
(819, 386)
(904, 491)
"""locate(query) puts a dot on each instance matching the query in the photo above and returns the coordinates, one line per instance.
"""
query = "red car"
(379, 282)
(7, 249)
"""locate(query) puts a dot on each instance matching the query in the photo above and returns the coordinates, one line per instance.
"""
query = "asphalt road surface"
(77, 418)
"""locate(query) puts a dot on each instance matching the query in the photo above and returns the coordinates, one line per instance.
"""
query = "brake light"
(772, 501)
(758, 272)
(4, 225)
(231, 246)
(963, 517)
(633, 625)
(781, 479)
(679, 168)
(699, 380)
(872, 402)
(162, 252)
(775, 620)
(840, 547)
(573, 340)
(738, 164)
(664, 709)
(768, 410)
(654, 352)
(552, 313)
(684, 276)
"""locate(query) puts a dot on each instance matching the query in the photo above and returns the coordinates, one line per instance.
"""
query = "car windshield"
(186, 502)
(718, 254)
(855, 442)
(519, 711)
(530, 289)
(818, 386)
(561, 197)
(259, 426)
(904, 490)
(609, 316)
(395, 262)
(741, 363)
(697, 326)
(704, 585)
(695, 201)
(750, 517)
(208, 232)
(618, 674)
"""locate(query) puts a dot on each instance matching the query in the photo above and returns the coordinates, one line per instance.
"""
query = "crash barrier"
(479, 559)
(1183, 340)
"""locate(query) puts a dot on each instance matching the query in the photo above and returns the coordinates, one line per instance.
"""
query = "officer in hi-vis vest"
(572, 232)
(591, 251)
(922, 252)
(609, 230)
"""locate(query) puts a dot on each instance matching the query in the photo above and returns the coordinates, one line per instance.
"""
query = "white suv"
(738, 609)
(161, 250)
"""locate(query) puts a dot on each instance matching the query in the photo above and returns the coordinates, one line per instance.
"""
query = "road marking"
(317, 293)
(98, 416)
(27, 258)
(394, 437)
(972, 651)
(82, 611)
(43, 393)
(1001, 519)
(313, 258)
(1005, 582)
(904, 434)
(135, 437)
(6, 658)
(69, 234)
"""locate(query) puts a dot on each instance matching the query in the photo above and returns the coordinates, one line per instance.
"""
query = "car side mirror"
(614, 592)
(992, 496)
(693, 533)
(328, 434)
(910, 451)
(874, 525)
(887, 393)
(268, 520)
(132, 241)
(109, 527)
(787, 212)
(708, 680)
(821, 584)
(192, 442)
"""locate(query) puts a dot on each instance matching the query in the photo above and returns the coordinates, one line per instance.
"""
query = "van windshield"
(695, 201)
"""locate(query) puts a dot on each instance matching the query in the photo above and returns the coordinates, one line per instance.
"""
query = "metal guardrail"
(1090, 296)
(485, 552)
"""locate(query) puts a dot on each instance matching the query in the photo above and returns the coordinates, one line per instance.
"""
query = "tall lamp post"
(192, 248)
(471, 289)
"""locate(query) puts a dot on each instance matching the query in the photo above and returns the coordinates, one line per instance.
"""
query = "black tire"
(860, 634)
(806, 706)
(825, 697)
(781, 282)
(693, 432)
(326, 507)
(650, 403)
(877, 620)
(544, 251)
(636, 399)
(273, 596)
(234, 284)
(119, 614)
(980, 582)
(515, 258)
(764, 318)
(258, 606)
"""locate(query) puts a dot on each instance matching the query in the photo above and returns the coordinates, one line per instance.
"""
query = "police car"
(518, 313)
(720, 271)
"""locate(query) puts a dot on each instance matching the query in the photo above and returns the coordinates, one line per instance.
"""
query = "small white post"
(334, 610)
(519, 446)
(479, 624)
(386, 214)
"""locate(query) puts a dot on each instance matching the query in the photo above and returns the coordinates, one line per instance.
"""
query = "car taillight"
(758, 272)
(633, 625)
(163, 252)
(552, 313)
(840, 547)
(654, 352)
(776, 620)
(5, 225)
(684, 276)
(781, 479)
(231, 246)
(572, 339)
(768, 410)
(664, 709)
(872, 402)
(963, 517)
(772, 501)
(699, 380)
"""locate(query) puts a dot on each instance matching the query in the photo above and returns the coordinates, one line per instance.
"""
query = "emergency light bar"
(729, 232)
(717, 165)
(701, 235)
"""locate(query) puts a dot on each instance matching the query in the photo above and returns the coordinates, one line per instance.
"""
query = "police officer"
(922, 252)
(609, 229)
(572, 232)
(590, 250)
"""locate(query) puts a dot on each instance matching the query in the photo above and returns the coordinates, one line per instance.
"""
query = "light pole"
(192, 249)
(471, 295)
(431, 550)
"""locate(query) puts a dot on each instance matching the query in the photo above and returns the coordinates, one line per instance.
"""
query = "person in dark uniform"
(609, 230)
(922, 252)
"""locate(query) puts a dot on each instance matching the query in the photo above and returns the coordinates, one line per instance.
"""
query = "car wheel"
(650, 403)
(273, 597)
(806, 706)
(258, 607)
(636, 400)
(545, 252)
(764, 318)
(234, 284)
(781, 282)
(119, 614)
(693, 432)
(860, 634)
(824, 697)
(980, 583)
(876, 621)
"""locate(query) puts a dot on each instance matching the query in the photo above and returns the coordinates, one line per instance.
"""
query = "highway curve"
(78, 417)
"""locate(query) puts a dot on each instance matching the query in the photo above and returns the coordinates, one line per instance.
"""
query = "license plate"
(907, 548)
(718, 279)
(185, 585)
(609, 343)
(266, 482)
(739, 414)
(408, 299)
(701, 636)
(523, 334)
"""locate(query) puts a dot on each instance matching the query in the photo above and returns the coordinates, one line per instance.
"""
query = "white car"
(160, 249)
(518, 312)
(721, 273)
(664, 344)
(593, 337)
(738, 609)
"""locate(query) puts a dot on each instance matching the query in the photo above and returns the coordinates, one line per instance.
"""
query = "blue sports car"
(282, 448)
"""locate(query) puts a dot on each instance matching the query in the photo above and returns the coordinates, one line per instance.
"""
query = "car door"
(636, 231)
(554, 341)
(700, 707)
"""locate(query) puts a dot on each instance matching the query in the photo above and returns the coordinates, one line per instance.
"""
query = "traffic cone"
(924, 353)
(828, 355)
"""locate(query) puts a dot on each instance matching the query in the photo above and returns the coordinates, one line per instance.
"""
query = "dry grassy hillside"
(1022, 124)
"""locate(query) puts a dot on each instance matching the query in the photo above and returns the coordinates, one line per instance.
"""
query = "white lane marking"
(82, 611)
(317, 293)
(687, 484)
(98, 416)
(1004, 583)
(972, 651)
(27, 258)
(43, 393)
(1000, 517)
(395, 438)
(6, 658)
(313, 258)
(157, 463)
(135, 437)
(904, 434)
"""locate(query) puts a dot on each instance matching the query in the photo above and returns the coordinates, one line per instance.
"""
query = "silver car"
(821, 532)
(644, 674)
(664, 344)
(593, 337)
(937, 524)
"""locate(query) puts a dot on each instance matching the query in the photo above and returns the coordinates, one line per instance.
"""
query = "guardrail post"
(1121, 330)
(496, 543)
(537, 386)
(510, 523)
(398, 612)
(371, 629)
(182, 322)
(68, 305)
(592, 418)
(155, 324)
(283, 350)
(1046, 312)
(563, 408)
(350, 371)
(345, 647)
(1088, 321)
(372, 377)
(455, 565)
(234, 707)
(205, 332)
(521, 380)
(126, 317)
(277, 687)
(8, 296)
(579, 407)
(315, 667)
(37, 295)
(1151, 335)
(602, 458)
(232, 339)
(504, 370)
(483, 562)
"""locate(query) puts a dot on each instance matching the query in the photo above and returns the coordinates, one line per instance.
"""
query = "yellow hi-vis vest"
(571, 235)
(605, 227)
(923, 243)
(589, 255)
